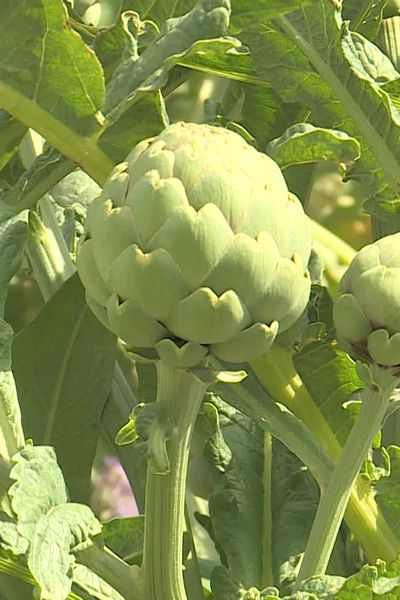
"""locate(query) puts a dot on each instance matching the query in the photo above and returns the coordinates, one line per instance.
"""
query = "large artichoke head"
(195, 248)
(367, 311)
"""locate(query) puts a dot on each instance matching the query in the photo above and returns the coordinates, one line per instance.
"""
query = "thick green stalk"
(83, 151)
(13, 569)
(277, 373)
(124, 578)
(334, 500)
(179, 395)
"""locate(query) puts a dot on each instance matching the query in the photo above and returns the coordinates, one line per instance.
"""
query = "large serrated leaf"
(51, 81)
(303, 143)
(40, 53)
(11, 539)
(237, 511)
(66, 528)
(309, 56)
(63, 366)
(39, 486)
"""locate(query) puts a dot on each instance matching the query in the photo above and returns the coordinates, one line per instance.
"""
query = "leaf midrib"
(52, 411)
(382, 151)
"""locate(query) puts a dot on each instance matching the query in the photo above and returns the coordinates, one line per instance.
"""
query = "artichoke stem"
(334, 499)
(179, 394)
(277, 373)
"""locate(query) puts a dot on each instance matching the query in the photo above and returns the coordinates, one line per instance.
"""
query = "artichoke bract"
(367, 311)
(195, 247)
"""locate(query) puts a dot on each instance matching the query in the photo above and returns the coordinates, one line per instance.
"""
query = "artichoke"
(367, 312)
(195, 247)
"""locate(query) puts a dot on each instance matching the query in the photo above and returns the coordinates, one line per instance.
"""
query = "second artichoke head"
(367, 311)
(195, 247)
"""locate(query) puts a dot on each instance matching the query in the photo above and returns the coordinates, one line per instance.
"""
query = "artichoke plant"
(367, 311)
(195, 247)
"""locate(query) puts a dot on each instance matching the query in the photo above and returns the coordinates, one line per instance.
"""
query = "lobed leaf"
(63, 530)
(314, 59)
(303, 143)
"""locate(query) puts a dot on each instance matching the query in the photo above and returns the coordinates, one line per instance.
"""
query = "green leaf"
(315, 60)
(336, 382)
(40, 54)
(75, 188)
(147, 374)
(39, 486)
(63, 530)
(146, 118)
(387, 490)
(208, 19)
(12, 240)
(93, 584)
(245, 13)
(51, 81)
(265, 115)
(127, 434)
(367, 585)
(364, 17)
(11, 539)
(113, 45)
(226, 587)
(11, 133)
(159, 11)
(216, 450)
(63, 365)
(125, 537)
(45, 172)
(226, 57)
(324, 587)
(237, 511)
(294, 499)
(13, 232)
(303, 143)
(251, 398)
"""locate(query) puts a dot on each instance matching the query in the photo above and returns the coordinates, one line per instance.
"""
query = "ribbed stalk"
(179, 395)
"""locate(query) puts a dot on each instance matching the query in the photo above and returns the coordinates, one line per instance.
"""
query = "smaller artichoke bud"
(196, 248)
(367, 312)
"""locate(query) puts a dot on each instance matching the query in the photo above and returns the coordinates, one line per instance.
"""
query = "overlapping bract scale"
(196, 247)
(367, 311)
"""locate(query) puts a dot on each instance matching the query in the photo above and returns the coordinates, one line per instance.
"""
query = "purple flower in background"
(111, 494)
